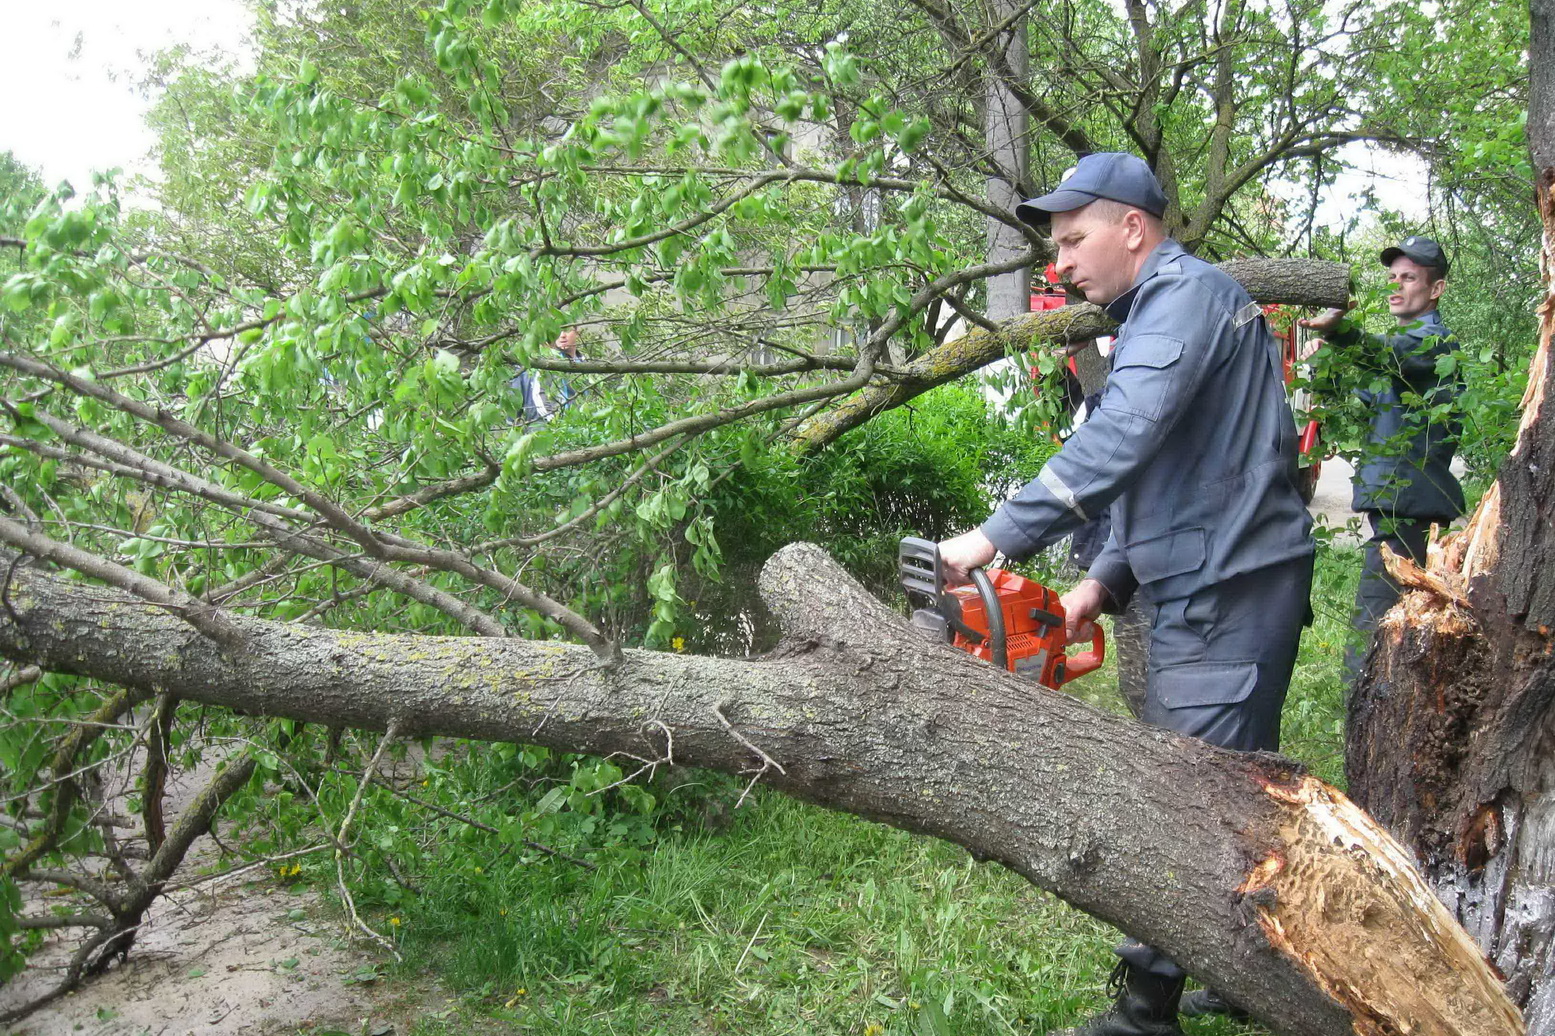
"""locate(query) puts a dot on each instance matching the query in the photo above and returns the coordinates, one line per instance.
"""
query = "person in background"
(1404, 485)
(545, 397)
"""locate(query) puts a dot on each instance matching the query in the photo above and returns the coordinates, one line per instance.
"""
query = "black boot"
(1145, 1005)
(1202, 1002)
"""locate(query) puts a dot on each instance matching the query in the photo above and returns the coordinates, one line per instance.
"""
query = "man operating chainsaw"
(1194, 448)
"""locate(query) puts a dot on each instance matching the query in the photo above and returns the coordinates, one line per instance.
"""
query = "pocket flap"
(1167, 555)
(1148, 350)
(1196, 684)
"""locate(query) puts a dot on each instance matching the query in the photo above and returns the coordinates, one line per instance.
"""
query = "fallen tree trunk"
(1294, 282)
(1256, 877)
(1453, 721)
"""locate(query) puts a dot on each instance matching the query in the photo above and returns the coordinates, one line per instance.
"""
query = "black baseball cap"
(1422, 250)
(1109, 174)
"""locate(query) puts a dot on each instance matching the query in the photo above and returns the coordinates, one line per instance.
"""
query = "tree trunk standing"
(1256, 877)
(1007, 135)
(1452, 724)
(1009, 295)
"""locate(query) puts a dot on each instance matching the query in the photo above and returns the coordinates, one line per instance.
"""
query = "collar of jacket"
(1426, 325)
(1163, 253)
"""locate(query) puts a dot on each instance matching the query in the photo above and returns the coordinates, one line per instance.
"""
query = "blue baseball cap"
(1109, 174)
(1422, 250)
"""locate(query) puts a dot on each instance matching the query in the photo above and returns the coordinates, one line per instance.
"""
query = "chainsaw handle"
(1088, 661)
(995, 612)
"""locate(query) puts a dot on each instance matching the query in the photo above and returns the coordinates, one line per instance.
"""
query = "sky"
(1399, 181)
(72, 106)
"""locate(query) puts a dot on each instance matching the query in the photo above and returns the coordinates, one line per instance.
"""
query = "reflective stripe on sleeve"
(1065, 495)
(1248, 313)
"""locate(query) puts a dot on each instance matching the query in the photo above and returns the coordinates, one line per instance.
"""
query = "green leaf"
(913, 134)
(18, 292)
(552, 800)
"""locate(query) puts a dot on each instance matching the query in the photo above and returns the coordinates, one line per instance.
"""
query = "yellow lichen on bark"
(1344, 899)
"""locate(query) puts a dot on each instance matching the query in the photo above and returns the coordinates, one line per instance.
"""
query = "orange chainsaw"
(1013, 622)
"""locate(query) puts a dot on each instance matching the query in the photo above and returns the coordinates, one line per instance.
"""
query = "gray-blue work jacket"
(1193, 438)
(1406, 472)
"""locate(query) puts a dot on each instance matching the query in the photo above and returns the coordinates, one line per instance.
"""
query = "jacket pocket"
(1197, 684)
(1140, 382)
(1171, 554)
(1148, 350)
(1250, 485)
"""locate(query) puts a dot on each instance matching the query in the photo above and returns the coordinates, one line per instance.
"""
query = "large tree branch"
(1300, 282)
(886, 725)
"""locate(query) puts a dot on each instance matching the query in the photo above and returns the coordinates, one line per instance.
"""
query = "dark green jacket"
(1406, 470)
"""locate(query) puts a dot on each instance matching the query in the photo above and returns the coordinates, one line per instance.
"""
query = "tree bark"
(1256, 877)
(1297, 282)
(1453, 720)
(1006, 130)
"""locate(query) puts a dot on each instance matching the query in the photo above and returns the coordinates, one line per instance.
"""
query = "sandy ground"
(241, 955)
(239, 960)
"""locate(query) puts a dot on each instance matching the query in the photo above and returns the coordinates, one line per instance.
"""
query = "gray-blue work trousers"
(1377, 592)
(1220, 664)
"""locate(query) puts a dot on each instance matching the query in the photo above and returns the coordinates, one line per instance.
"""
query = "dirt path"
(1331, 503)
(242, 955)
(227, 959)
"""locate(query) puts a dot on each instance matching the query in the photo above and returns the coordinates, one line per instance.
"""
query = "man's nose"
(1064, 265)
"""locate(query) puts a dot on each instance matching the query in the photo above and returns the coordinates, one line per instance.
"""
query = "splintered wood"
(1433, 578)
(1343, 899)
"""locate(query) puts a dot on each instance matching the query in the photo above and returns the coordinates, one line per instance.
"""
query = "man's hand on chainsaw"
(960, 554)
(1082, 606)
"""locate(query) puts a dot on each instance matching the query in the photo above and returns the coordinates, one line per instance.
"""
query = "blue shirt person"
(1193, 446)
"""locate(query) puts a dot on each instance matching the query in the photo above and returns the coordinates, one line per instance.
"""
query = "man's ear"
(1134, 229)
(1437, 289)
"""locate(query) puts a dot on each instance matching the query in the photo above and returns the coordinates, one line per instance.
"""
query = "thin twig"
(345, 826)
(754, 936)
(471, 821)
(649, 766)
(767, 762)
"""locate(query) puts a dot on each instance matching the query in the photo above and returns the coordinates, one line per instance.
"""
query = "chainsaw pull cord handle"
(996, 639)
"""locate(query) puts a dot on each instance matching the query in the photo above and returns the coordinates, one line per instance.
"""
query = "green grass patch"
(792, 920)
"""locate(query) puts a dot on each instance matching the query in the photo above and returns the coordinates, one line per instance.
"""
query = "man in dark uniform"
(1194, 446)
(1404, 483)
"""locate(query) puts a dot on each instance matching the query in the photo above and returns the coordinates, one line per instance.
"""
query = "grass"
(792, 920)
